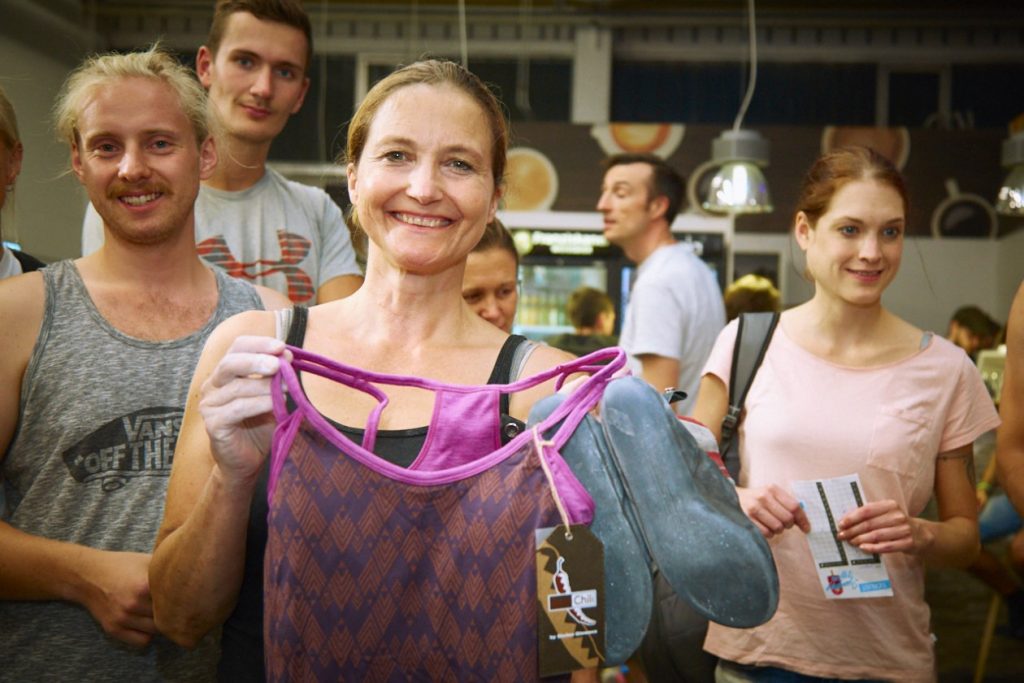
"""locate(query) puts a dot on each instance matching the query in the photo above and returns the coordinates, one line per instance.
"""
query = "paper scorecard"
(844, 571)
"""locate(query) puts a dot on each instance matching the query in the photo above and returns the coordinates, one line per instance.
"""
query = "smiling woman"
(847, 388)
(425, 163)
(419, 191)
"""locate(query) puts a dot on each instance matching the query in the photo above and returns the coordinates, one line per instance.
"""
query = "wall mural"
(532, 181)
(639, 138)
(953, 175)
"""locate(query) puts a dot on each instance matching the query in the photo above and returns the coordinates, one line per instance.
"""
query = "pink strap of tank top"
(601, 365)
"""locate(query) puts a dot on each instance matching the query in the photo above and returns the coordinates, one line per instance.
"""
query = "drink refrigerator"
(554, 261)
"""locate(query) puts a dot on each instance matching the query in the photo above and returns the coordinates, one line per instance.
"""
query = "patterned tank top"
(376, 572)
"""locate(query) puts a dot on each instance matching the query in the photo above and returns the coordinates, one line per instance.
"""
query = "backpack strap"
(753, 334)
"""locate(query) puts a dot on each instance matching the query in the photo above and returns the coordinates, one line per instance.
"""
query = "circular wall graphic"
(661, 139)
(532, 181)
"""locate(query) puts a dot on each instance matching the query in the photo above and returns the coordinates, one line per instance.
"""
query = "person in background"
(998, 519)
(12, 262)
(426, 160)
(251, 221)
(674, 313)
(490, 284)
(93, 382)
(1010, 437)
(846, 388)
(751, 293)
(675, 308)
(592, 314)
(973, 330)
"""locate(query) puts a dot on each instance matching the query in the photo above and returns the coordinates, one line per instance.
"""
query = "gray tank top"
(99, 416)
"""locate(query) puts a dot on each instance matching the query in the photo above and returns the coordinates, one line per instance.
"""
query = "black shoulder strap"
(297, 329)
(752, 337)
(28, 262)
(501, 373)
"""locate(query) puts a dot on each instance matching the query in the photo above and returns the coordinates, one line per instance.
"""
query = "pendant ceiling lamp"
(1011, 194)
(739, 185)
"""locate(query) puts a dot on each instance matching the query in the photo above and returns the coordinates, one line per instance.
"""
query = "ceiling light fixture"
(1011, 194)
(739, 185)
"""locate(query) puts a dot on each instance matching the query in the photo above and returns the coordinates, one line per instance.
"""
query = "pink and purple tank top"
(376, 572)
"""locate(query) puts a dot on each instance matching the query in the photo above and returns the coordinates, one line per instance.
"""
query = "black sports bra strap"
(501, 373)
(297, 330)
(503, 364)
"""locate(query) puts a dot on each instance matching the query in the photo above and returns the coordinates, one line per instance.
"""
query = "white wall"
(46, 216)
(939, 276)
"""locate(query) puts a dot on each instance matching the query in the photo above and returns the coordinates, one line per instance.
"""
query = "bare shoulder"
(22, 304)
(1015, 331)
(272, 299)
(903, 332)
(1016, 322)
(545, 357)
(542, 358)
(22, 289)
(254, 323)
(262, 323)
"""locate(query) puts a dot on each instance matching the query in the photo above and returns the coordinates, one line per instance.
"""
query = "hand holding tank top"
(378, 572)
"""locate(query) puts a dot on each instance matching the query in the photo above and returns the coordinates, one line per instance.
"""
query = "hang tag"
(570, 595)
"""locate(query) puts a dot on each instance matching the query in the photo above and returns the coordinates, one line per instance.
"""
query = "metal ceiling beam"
(346, 28)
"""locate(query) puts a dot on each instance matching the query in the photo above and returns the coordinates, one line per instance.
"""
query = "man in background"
(675, 309)
(673, 317)
(251, 221)
(592, 314)
(97, 358)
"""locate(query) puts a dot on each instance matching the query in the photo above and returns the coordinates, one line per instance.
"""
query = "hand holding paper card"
(844, 570)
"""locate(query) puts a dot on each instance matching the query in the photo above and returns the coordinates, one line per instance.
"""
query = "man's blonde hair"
(154, 63)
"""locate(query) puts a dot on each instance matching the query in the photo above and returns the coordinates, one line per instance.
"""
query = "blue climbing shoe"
(627, 578)
(688, 514)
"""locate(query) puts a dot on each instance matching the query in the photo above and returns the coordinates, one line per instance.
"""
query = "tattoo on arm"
(968, 458)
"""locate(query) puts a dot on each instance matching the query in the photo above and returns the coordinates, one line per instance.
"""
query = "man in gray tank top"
(97, 356)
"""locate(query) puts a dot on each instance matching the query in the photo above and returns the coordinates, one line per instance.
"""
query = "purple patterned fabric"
(378, 573)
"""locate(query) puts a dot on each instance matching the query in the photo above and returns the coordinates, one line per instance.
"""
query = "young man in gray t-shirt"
(251, 221)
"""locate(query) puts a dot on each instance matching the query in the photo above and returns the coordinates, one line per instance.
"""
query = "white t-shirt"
(9, 266)
(807, 418)
(675, 310)
(278, 233)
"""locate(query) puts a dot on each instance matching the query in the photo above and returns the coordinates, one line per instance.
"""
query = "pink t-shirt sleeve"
(971, 412)
(720, 361)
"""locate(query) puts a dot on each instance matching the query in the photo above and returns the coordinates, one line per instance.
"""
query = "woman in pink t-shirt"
(847, 388)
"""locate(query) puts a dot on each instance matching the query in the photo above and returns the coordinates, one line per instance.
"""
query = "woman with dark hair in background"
(490, 284)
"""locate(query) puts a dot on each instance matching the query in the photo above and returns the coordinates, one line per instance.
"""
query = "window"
(711, 93)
